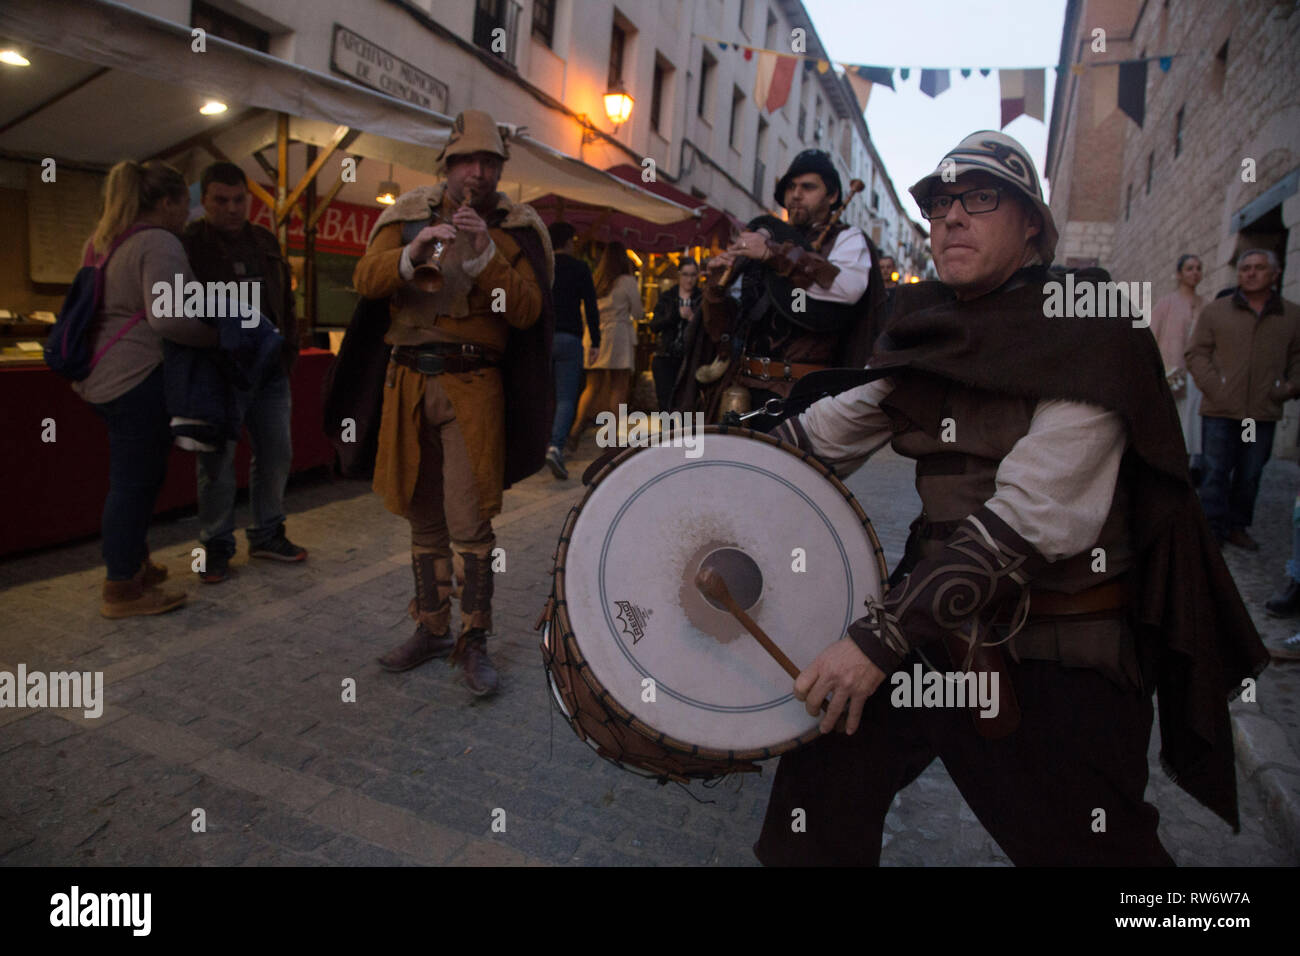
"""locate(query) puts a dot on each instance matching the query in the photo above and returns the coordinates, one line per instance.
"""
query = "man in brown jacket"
(443, 457)
(1244, 354)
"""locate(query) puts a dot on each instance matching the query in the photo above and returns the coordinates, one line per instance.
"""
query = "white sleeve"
(1056, 485)
(847, 429)
(851, 254)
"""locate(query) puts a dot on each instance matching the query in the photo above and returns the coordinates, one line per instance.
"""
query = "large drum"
(646, 669)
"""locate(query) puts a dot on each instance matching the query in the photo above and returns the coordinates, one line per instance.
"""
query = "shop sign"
(356, 57)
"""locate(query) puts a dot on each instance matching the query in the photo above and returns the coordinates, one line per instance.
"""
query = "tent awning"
(118, 83)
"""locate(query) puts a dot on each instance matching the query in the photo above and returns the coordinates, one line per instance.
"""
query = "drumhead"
(798, 552)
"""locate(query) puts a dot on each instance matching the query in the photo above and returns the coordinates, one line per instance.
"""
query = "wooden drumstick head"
(712, 585)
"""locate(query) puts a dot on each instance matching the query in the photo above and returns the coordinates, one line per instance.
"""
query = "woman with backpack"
(145, 208)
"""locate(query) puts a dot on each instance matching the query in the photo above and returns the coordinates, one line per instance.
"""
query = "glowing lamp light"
(618, 106)
(212, 108)
(388, 192)
(893, 276)
(14, 58)
(914, 279)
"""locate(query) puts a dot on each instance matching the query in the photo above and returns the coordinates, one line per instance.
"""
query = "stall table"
(53, 491)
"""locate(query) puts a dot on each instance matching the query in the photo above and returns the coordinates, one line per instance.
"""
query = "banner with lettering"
(343, 227)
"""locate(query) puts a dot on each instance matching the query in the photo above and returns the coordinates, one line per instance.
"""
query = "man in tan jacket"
(1244, 354)
(443, 458)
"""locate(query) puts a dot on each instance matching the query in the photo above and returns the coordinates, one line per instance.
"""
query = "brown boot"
(129, 598)
(150, 574)
(421, 646)
(431, 611)
(471, 654)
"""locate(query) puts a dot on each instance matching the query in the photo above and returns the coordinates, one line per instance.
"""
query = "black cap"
(812, 161)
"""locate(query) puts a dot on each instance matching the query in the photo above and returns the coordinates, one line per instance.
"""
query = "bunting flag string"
(1021, 90)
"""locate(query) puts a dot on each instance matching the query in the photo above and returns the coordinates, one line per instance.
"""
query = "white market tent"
(117, 83)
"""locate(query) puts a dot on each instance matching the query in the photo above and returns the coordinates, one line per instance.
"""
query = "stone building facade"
(553, 60)
(1215, 167)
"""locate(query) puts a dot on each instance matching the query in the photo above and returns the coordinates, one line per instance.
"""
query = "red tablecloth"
(53, 492)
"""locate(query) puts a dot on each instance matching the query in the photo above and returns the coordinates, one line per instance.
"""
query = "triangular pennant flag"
(1105, 89)
(985, 72)
(721, 45)
(904, 73)
(823, 66)
(1165, 63)
(772, 80)
(749, 53)
(1132, 98)
(881, 75)
(1011, 85)
(934, 82)
(965, 74)
(1035, 93)
(861, 87)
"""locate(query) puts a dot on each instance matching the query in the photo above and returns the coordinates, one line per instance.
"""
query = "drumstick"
(713, 585)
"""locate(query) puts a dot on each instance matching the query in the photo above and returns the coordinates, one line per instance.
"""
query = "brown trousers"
(447, 517)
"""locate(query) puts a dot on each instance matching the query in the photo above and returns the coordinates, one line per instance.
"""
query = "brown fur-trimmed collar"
(416, 205)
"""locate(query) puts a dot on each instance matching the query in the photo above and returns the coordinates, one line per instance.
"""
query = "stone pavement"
(233, 705)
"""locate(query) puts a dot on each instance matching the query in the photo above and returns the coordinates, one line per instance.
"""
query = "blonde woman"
(609, 376)
(145, 208)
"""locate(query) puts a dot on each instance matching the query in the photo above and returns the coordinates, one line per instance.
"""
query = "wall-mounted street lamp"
(618, 105)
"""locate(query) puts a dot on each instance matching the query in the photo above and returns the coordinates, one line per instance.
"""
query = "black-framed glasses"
(975, 201)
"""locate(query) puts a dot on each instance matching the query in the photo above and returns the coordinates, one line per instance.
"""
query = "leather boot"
(475, 573)
(432, 613)
(131, 598)
(471, 654)
(1286, 602)
(150, 574)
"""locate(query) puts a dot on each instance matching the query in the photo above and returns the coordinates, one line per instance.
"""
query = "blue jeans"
(139, 444)
(566, 368)
(1232, 469)
(265, 411)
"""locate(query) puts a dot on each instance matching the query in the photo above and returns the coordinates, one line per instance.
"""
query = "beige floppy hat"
(474, 131)
(1001, 156)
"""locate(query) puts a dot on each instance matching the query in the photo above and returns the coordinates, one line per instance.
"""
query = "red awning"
(605, 224)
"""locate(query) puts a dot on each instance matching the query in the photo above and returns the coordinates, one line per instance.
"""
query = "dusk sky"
(912, 131)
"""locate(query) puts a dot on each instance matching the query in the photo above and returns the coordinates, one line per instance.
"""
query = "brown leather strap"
(766, 370)
(1110, 596)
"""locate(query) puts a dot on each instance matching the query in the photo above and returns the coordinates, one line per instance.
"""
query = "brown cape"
(1196, 638)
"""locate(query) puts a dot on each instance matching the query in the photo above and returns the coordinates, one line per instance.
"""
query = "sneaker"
(278, 548)
(555, 462)
(216, 566)
(1288, 650)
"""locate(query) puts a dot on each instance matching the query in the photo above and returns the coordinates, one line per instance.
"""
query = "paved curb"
(1266, 757)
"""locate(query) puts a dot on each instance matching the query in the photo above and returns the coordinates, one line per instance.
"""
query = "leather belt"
(769, 369)
(1110, 596)
(437, 359)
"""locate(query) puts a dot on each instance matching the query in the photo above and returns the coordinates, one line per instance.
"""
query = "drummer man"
(467, 359)
(1025, 507)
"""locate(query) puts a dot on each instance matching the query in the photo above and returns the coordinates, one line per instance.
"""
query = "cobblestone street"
(232, 704)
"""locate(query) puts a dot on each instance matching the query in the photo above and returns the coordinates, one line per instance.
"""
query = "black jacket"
(575, 291)
(668, 324)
